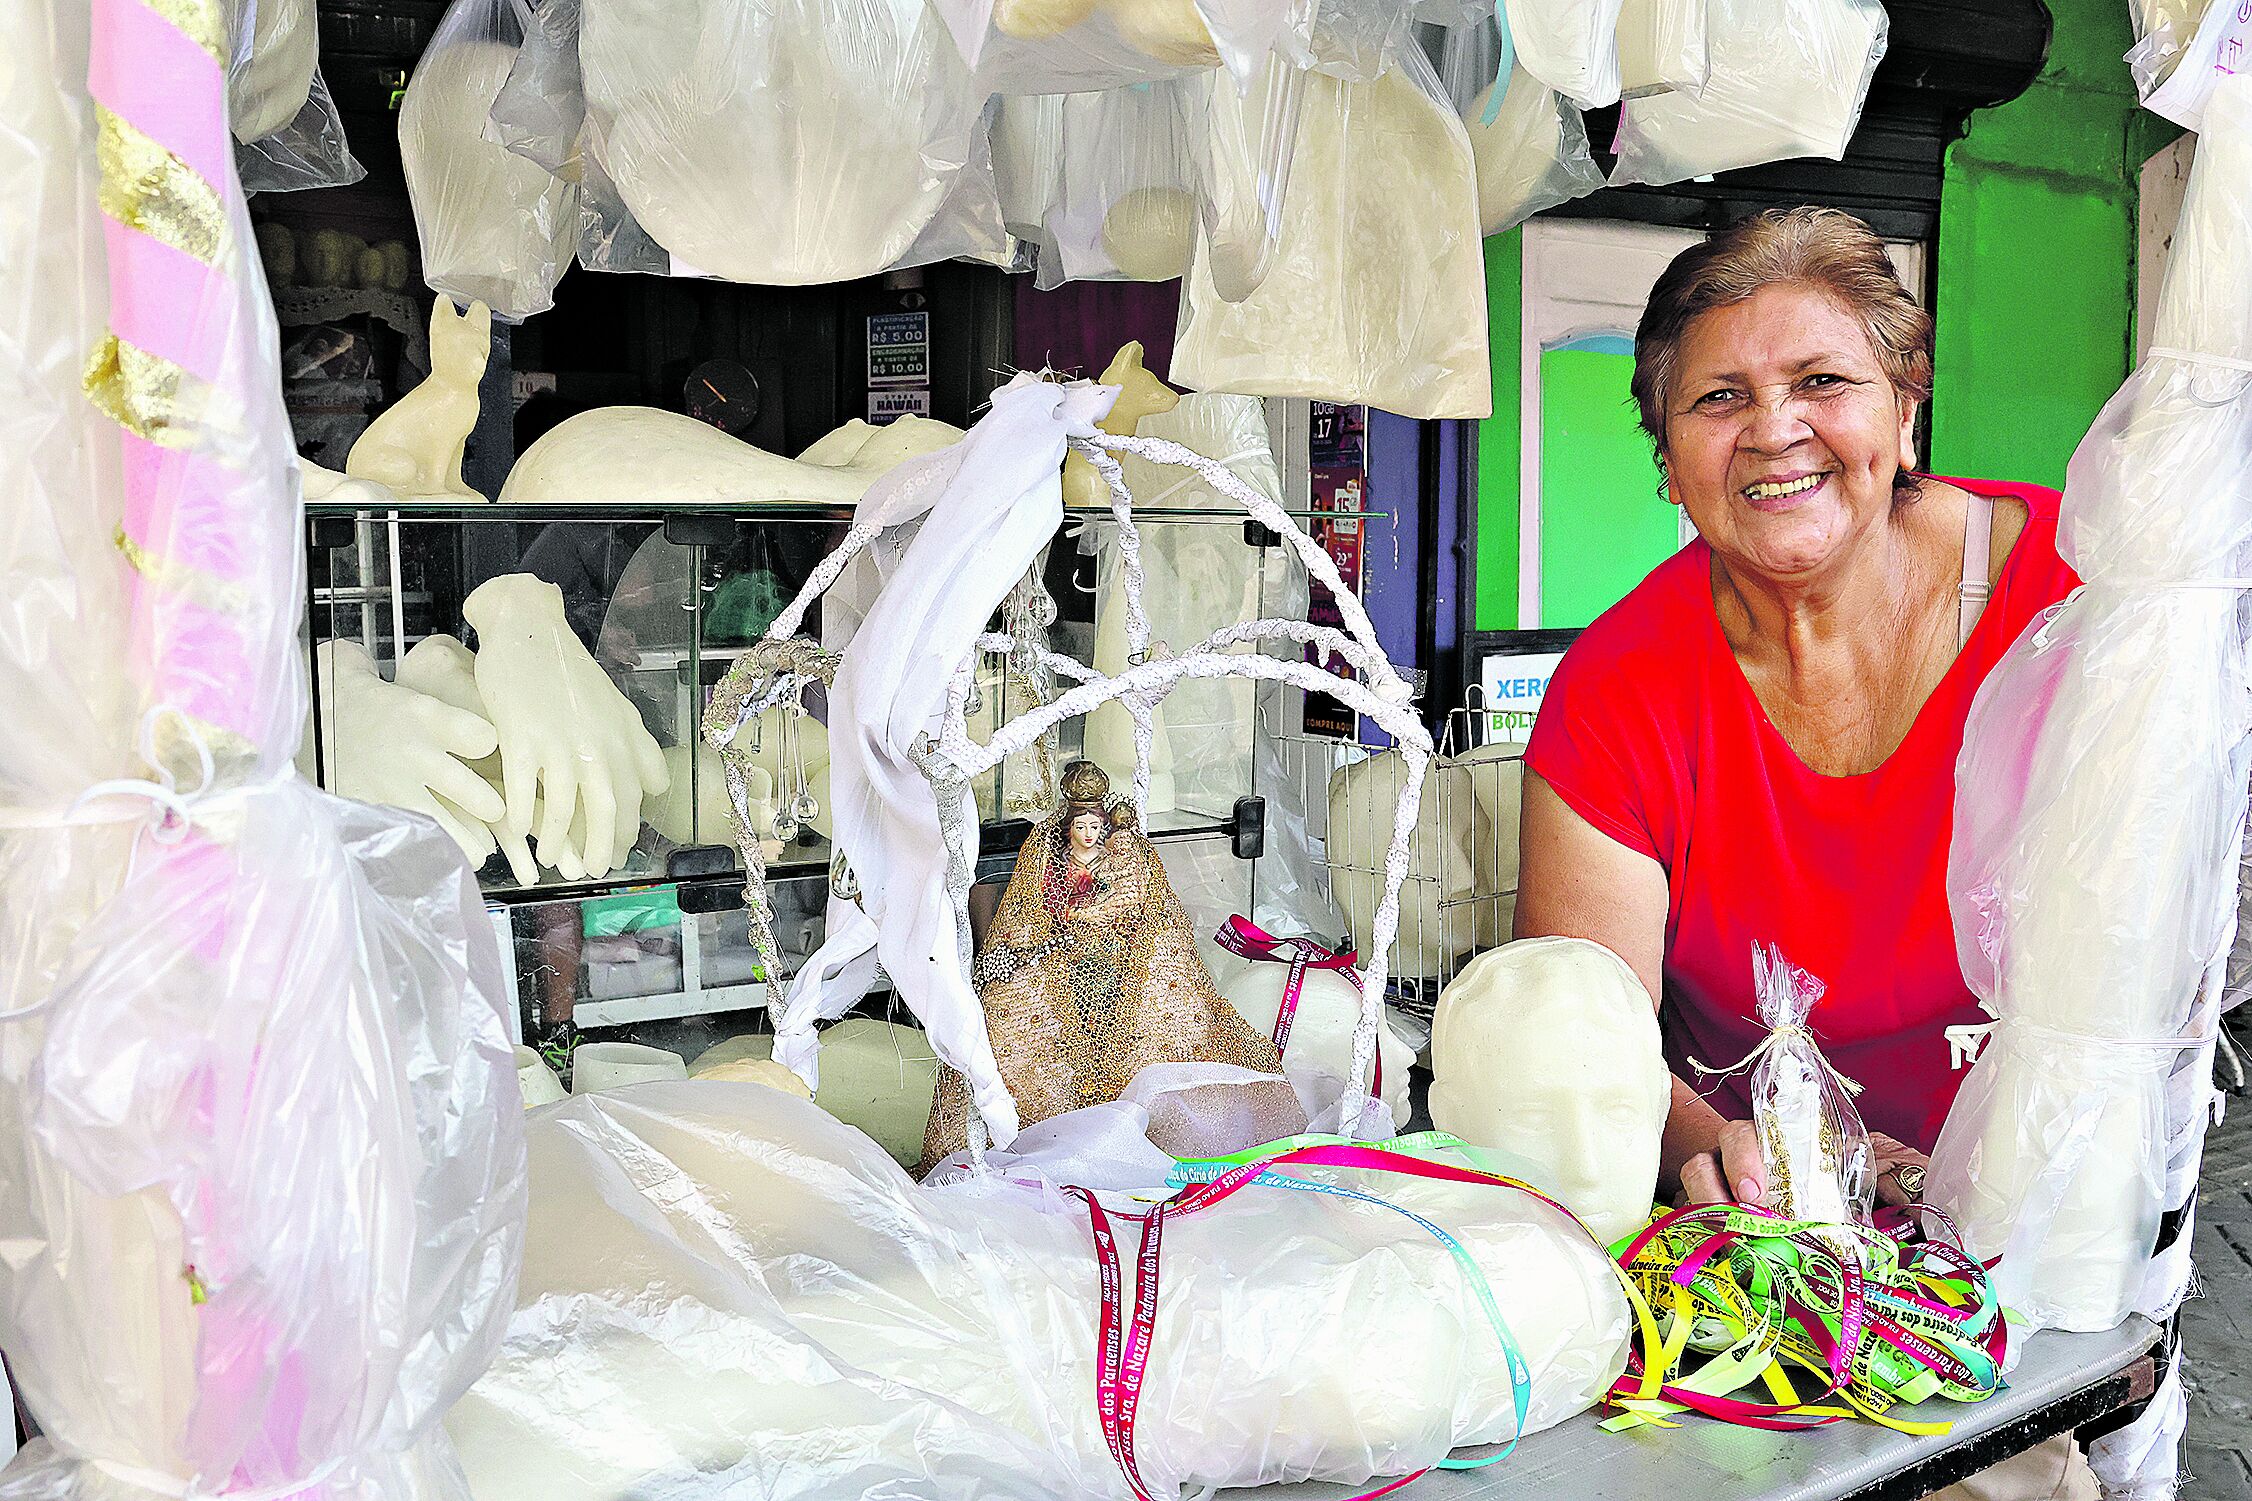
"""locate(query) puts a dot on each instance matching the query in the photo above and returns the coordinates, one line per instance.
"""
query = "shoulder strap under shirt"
(1978, 562)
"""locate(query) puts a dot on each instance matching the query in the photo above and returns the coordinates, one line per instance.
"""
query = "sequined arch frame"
(779, 668)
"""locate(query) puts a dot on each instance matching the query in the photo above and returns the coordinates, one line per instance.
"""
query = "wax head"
(1548, 1048)
(1087, 830)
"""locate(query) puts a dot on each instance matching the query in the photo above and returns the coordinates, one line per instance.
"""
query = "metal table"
(2062, 1382)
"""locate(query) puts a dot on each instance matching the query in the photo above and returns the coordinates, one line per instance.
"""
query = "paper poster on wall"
(1514, 688)
(1338, 479)
(899, 349)
(889, 406)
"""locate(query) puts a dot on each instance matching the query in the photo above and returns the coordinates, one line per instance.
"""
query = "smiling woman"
(1759, 742)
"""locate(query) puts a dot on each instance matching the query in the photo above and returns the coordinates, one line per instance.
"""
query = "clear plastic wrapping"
(261, 1168)
(806, 141)
(1078, 46)
(1816, 1150)
(1662, 46)
(1570, 45)
(2100, 811)
(495, 227)
(1785, 78)
(1127, 175)
(770, 1306)
(278, 106)
(1350, 309)
(1529, 143)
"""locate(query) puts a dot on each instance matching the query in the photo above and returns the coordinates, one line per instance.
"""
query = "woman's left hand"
(1895, 1163)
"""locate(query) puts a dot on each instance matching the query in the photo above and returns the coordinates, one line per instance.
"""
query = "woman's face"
(1086, 832)
(1783, 433)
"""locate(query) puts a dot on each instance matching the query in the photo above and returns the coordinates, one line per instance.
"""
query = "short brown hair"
(1823, 248)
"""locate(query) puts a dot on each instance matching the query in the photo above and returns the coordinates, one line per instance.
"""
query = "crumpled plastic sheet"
(803, 142)
(1346, 308)
(1084, 46)
(727, 1290)
(1569, 45)
(2100, 811)
(1531, 146)
(1126, 175)
(291, 136)
(495, 227)
(260, 1173)
(1785, 79)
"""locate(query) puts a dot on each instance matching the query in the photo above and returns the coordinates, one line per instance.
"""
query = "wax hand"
(1732, 1171)
(573, 749)
(384, 743)
(1899, 1168)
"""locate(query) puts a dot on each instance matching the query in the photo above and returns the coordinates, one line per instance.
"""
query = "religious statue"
(1090, 971)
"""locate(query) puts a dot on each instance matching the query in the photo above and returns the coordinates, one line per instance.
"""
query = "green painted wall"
(1498, 452)
(2035, 271)
(1603, 524)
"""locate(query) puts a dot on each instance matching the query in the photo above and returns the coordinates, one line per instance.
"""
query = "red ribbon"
(1246, 939)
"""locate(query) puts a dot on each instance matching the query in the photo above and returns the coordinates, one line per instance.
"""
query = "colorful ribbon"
(1246, 939)
(1878, 1320)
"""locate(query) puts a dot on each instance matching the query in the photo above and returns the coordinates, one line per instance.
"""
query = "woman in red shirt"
(1759, 742)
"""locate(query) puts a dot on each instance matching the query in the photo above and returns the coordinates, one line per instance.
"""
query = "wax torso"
(1548, 1048)
(644, 455)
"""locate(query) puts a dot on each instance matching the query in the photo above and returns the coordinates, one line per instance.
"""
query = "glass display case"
(663, 599)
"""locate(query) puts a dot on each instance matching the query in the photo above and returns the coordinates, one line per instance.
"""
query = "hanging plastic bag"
(1251, 142)
(1662, 47)
(1786, 79)
(800, 142)
(1570, 45)
(2214, 51)
(289, 134)
(1352, 308)
(1124, 205)
(1080, 46)
(1529, 143)
(495, 227)
(2163, 31)
(1819, 1162)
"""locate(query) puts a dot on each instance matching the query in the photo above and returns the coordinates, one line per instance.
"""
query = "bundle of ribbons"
(1870, 1321)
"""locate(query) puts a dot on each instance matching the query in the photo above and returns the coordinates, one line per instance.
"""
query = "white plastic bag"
(1570, 45)
(1081, 46)
(1249, 151)
(759, 1301)
(495, 227)
(799, 142)
(1786, 79)
(289, 133)
(1662, 46)
(1529, 143)
(2163, 32)
(1352, 309)
(1127, 178)
(2214, 51)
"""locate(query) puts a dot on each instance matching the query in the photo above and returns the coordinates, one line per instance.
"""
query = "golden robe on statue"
(1090, 972)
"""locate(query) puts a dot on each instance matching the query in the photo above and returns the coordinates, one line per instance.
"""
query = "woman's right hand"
(1731, 1171)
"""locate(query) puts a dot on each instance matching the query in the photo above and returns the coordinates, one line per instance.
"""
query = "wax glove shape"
(568, 737)
(447, 670)
(386, 743)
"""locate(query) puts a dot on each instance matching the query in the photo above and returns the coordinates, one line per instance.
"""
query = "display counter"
(2062, 1382)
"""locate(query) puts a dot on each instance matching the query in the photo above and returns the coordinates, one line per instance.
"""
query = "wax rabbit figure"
(1548, 1049)
(414, 447)
(568, 738)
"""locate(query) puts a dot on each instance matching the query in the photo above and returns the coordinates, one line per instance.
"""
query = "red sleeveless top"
(1650, 732)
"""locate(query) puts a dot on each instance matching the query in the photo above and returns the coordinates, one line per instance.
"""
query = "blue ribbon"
(1502, 68)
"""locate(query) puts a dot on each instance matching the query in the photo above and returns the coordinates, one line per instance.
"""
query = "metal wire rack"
(1460, 894)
